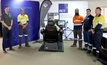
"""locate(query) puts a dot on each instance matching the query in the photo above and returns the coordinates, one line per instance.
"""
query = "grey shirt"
(6, 18)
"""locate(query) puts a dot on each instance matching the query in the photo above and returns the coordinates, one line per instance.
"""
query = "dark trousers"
(79, 33)
(0, 29)
(61, 33)
(6, 34)
(88, 40)
(97, 37)
(21, 32)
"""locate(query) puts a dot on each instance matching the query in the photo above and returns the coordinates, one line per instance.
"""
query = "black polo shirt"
(88, 22)
(6, 18)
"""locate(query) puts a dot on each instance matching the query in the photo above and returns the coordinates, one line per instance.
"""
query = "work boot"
(84, 49)
(5, 52)
(12, 49)
(27, 45)
(20, 46)
(80, 48)
(89, 51)
(73, 45)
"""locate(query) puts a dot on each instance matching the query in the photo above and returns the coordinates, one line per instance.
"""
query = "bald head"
(22, 11)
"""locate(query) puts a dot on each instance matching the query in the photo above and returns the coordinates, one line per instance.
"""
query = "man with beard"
(77, 20)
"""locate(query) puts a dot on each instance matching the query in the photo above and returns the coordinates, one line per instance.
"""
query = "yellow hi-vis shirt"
(22, 18)
(98, 20)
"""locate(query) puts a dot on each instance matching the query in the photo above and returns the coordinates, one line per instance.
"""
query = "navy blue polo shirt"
(88, 22)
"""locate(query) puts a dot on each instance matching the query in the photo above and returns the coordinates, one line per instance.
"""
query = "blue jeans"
(88, 40)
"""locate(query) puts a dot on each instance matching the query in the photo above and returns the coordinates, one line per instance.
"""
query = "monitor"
(61, 22)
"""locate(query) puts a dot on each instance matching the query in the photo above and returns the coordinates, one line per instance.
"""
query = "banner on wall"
(63, 8)
(32, 10)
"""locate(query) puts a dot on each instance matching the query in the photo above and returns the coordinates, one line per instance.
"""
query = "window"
(104, 13)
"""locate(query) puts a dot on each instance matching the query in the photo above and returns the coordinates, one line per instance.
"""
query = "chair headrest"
(51, 23)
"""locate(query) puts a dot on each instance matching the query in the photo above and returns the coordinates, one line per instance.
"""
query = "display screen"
(54, 16)
(61, 22)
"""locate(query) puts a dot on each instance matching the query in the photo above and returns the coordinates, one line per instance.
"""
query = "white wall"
(72, 5)
(94, 4)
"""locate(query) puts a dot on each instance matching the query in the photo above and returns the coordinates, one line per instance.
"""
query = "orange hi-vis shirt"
(77, 20)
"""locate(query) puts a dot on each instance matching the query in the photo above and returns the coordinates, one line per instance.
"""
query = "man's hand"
(21, 24)
(61, 30)
(9, 27)
(89, 30)
(82, 31)
(92, 31)
(24, 26)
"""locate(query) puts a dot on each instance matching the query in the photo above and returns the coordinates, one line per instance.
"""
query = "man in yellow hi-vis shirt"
(97, 31)
(23, 23)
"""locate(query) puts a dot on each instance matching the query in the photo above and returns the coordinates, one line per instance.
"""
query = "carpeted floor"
(31, 56)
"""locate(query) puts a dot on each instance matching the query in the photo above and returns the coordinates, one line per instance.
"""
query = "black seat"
(103, 50)
(50, 34)
(50, 37)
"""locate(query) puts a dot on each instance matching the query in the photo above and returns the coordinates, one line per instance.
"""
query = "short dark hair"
(89, 9)
(98, 8)
(6, 7)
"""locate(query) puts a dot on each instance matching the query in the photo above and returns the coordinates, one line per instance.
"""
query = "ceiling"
(76, 0)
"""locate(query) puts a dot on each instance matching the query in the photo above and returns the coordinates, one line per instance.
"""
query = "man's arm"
(100, 24)
(91, 20)
(24, 26)
(11, 22)
(91, 27)
(19, 20)
(20, 24)
(4, 24)
(2, 21)
(27, 20)
(82, 20)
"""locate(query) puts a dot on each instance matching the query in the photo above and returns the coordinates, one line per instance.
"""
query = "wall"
(91, 3)
(94, 4)
(72, 5)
